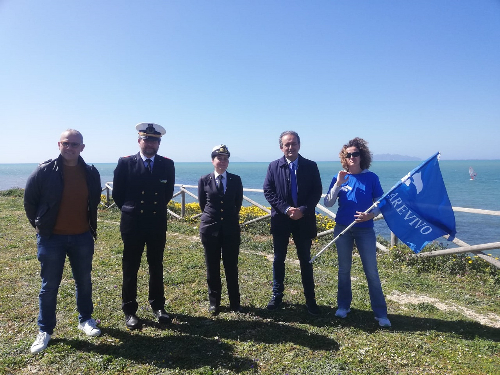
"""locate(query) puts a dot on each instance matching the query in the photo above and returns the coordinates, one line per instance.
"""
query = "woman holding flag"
(356, 188)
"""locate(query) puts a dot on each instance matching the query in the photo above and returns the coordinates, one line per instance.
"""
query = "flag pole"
(375, 204)
(354, 222)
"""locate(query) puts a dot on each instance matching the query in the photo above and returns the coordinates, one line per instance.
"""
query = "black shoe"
(162, 316)
(275, 302)
(132, 321)
(237, 309)
(312, 307)
(214, 310)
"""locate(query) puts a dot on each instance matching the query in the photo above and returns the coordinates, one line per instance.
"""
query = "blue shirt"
(357, 194)
(144, 158)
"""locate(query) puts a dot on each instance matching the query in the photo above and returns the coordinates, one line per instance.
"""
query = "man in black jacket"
(60, 200)
(143, 184)
(293, 189)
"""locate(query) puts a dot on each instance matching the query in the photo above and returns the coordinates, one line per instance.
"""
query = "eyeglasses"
(352, 154)
(70, 144)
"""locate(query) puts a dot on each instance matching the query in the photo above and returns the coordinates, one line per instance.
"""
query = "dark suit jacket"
(278, 194)
(220, 212)
(141, 195)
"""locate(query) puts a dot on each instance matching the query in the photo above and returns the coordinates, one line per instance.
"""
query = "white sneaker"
(41, 342)
(342, 313)
(89, 327)
(383, 322)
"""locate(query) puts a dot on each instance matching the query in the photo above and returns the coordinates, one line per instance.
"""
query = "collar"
(224, 175)
(295, 162)
(283, 162)
(145, 157)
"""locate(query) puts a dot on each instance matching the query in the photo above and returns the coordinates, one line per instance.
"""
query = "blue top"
(357, 194)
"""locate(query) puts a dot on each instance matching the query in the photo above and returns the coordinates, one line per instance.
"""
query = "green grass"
(445, 312)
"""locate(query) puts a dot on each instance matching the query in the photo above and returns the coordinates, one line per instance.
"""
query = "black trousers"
(303, 246)
(227, 247)
(133, 247)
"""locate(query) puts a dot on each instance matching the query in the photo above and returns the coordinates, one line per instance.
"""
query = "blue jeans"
(365, 242)
(52, 251)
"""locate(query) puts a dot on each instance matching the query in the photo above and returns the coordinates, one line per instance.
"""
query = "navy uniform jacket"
(278, 194)
(220, 212)
(142, 196)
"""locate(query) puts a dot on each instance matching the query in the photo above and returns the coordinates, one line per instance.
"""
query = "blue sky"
(411, 77)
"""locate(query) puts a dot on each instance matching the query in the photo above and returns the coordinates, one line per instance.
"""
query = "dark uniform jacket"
(142, 196)
(220, 211)
(278, 194)
(43, 195)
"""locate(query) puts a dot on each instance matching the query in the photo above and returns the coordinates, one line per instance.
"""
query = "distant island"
(394, 157)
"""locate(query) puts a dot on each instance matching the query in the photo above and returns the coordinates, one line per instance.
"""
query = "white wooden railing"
(463, 246)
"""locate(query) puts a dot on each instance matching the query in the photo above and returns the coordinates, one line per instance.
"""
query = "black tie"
(149, 164)
(220, 185)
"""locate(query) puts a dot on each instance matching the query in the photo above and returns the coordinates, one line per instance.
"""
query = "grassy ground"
(445, 313)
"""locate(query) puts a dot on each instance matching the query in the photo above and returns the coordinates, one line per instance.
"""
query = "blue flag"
(417, 209)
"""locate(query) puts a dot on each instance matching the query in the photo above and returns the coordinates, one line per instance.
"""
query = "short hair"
(365, 155)
(289, 132)
(75, 132)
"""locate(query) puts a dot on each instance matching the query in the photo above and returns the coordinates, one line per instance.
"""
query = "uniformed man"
(220, 194)
(143, 184)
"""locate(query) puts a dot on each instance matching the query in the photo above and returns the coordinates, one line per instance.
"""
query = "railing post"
(183, 203)
(107, 195)
(394, 240)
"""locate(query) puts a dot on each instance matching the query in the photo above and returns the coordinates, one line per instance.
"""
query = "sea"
(483, 192)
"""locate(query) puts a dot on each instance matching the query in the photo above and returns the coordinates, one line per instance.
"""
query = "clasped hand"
(294, 213)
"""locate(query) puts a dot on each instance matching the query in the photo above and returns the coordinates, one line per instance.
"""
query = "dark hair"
(362, 146)
(289, 132)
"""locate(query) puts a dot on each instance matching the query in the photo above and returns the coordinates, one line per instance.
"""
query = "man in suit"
(220, 194)
(293, 189)
(143, 184)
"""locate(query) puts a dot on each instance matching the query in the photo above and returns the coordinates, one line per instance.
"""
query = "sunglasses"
(70, 144)
(352, 154)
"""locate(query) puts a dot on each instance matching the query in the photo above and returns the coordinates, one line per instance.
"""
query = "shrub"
(453, 264)
(14, 192)
(191, 209)
(324, 222)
